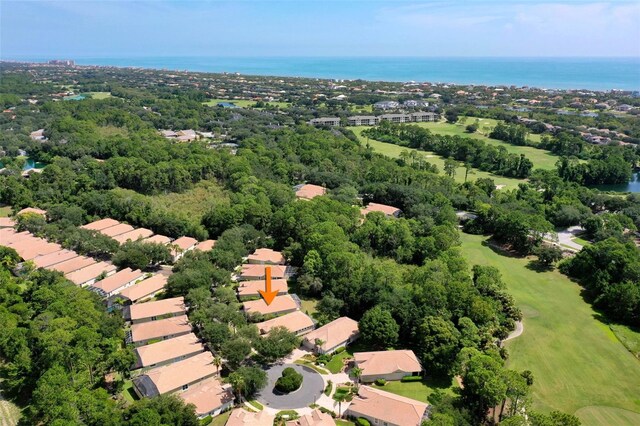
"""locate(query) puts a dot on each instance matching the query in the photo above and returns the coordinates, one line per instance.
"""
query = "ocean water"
(551, 73)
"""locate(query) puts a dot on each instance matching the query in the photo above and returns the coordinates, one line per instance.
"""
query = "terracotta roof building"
(181, 246)
(257, 272)
(143, 333)
(158, 239)
(210, 396)
(72, 264)
(31, 248)
(375, 207)
(176, 376)
(242, 417)
(144, 289)
(118, 229)
(388, 365)
(334, 335)
(87, 275)
(152, 311)
(265, 256)
(101, 224)
(250, 288)
(206, 245)
(380, 408)
(296, 322)
(279, 305)
(167, 351)
(117, 282)
(309, 191)
(50, 259)
(133, 235)
(314, 418)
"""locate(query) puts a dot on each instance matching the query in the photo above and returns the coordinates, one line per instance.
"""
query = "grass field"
(419, 391)
(541, 159)
(220, 420)
(243, 103)
(579, 366)
(195, 202)
(98, 95)
(393, 151)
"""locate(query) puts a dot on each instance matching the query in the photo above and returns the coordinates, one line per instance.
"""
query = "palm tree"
(318, 344)
(217, 361)
(356, 373)
(340, 398)
(238, 385)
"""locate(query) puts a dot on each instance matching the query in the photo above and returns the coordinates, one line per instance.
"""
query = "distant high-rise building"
(63, 62)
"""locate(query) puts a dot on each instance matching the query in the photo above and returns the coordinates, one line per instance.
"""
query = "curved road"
(311, 389)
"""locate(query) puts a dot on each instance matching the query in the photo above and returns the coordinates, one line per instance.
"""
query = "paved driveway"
(311, 389)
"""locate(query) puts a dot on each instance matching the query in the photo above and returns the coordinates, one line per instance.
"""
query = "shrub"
(289, 381)
(381, 382)
(411, 379)
(361, 421)
(472, 128)
(327, 411)
(339, 350)
(328, 388)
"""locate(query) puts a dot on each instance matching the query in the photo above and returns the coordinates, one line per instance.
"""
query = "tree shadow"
(539, 267)
(502, 251)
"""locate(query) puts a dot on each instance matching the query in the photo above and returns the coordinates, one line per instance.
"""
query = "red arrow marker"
(267, 294)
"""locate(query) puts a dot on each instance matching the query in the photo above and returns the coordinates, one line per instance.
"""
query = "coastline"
(594, 74)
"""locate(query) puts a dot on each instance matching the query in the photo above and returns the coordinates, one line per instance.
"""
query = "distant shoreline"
(579, 73)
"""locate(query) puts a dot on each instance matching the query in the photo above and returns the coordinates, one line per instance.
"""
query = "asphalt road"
(311, 389)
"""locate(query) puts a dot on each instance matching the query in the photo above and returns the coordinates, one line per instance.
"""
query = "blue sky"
(117, 28)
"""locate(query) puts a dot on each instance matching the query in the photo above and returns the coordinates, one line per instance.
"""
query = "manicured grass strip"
(5, 211)
(255, 404)
(419, 391)
(221, 420)
(311, 365)
(575, 360)
(340, 422)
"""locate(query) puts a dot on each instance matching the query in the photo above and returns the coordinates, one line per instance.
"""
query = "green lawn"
(340, 422)
(243, 103)
(98, 95)
(393, 151)
(309, 306)
(541, 159)
(579, 366)
(336, 363)
(419, 391)
(581, 241)
(221, 420)
(128, 393)
(255, 404)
